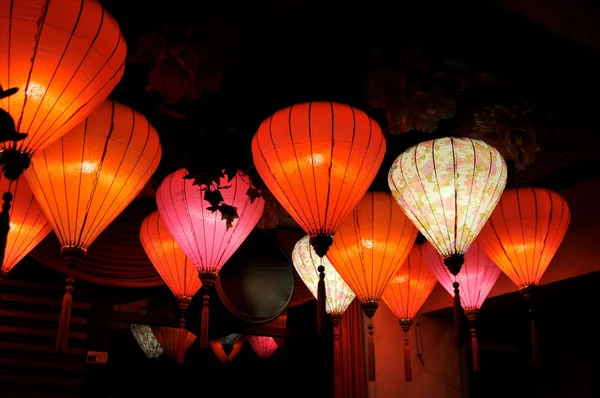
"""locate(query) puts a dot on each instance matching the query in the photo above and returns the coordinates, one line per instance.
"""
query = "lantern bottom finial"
(369, 308)
(321, 243)
(454, 263)
(14, 163)
(72, 255)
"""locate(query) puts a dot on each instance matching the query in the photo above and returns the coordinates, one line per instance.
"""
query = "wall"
(439, 377)
(578, 254)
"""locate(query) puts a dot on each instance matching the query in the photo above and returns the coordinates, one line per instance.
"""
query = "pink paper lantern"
(263, 346)
(476, 279)
(203, 234)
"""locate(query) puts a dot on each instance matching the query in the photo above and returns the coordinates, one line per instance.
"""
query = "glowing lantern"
(87, 177)
(406, 293)
(28, 225)
(338, 294)
(201, 233)
(147, 341)
(172, 265)
(171, 342)
(318, 159)
(263, 346)
(218, 349)
(449, 187)
(226, 348)
(370, 246)
(478, 276)
(64, 57)
(522, 236)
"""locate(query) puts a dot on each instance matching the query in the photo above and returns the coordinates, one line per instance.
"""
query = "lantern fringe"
(369, 308)
(338, 392)
(457, 309)
(406, 324)
(184, 303)
(528, 294)
(62, 338)
(472, 316)
(321, 299)
(208, 280)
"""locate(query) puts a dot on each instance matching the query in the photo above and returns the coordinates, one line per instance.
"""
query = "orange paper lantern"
(170, 261)
(28, 224)
(318, 159)
(370, 246)
(406, 293)
(523, 234)
(174, 341)
(87, 177)
(64, 57)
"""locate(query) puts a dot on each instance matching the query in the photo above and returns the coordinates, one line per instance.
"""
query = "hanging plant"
(187, 61)
(414, 93)
(508, 127)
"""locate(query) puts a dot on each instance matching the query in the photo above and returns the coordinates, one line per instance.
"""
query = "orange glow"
(167, 257)
(411, 286)
(87, 177)
(217, 348)
(371, 245)
(524, 232)
(65, 57)
(318, 159)
(28, 224)
(170, 338)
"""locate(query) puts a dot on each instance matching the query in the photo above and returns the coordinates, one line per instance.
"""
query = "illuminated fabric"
(147, 341)
(263, 346)
(88, 176)
(201, 233)
(167, 257)
(28, 224)
(338, 293)
(448, 187)
(477, 277)
(318, 159)
(170, 340)
(410, 287)
(524, 233)
(65, 57)
(371, 245)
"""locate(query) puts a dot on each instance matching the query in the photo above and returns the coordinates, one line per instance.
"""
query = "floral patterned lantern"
(147, 341)
(522, 236)
(204, 237)
(318, 159)
(448, 187)
(478, 276)
(406, 293)
(371, 245)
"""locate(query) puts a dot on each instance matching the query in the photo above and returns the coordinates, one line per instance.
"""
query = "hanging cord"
(419, 342)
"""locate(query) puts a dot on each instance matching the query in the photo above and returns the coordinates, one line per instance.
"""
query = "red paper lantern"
(263, 346)
(28, 224)
(406, 293)
(523, 234)
(64, 57)
(477, 277)
(174, 341)
(202, 234)
(318, 159)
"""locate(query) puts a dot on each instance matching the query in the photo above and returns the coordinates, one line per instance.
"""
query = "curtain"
(353, 356)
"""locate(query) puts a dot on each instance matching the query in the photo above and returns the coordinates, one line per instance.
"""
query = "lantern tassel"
(184, 303)
(62, 338)
(369, 308)
(208, 280)
(336, 320)
(457, 309)
(472, 316)
(321, 299)
(406, 324)
(528, 294)
(7, 198)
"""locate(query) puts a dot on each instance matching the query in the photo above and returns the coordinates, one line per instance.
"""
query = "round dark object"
(257, 283)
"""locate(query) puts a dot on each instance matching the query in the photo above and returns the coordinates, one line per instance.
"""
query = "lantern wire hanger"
(448, 187)
(522, 236)
(318, 159)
